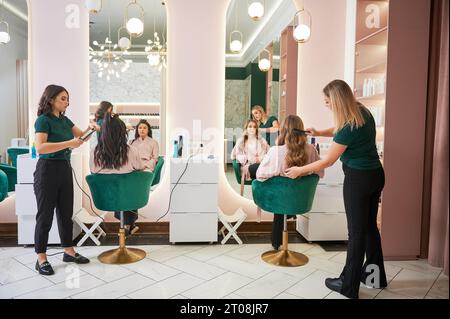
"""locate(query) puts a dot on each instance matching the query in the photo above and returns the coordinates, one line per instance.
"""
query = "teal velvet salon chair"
(285, 196)
(11, 173)
(237, 173)
(14, 152)
(157, 171)
(3, 185)
(121, 192)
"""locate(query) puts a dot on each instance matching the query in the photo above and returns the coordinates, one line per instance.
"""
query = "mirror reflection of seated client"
(292, 150)
(113, 155)
(249, 151)
(148, 148)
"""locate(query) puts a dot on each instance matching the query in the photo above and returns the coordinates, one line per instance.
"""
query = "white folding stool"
(83, 218)
(227, 220)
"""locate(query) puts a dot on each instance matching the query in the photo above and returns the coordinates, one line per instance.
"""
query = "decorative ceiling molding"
(271, 27)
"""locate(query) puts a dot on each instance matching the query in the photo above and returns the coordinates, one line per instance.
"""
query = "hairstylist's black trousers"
(53, 187)
(362, 191)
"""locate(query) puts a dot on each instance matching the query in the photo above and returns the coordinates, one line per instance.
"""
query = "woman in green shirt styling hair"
(104, 107)
(354, 143)
(56, 136)
(268, 126)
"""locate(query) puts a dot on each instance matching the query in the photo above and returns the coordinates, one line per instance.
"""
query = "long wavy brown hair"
(246, 127)
(295, 141)
(112, 149)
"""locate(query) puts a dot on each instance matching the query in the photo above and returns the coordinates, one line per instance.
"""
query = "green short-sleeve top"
(270, 137)
(59, 129)
(361, 152)
(99, 123)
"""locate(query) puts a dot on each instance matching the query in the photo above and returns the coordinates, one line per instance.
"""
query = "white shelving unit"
(26, 207)
(193, 210)
(371, 61)
(327, 220)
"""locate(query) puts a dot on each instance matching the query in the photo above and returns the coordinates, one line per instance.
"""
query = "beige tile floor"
(207, 272)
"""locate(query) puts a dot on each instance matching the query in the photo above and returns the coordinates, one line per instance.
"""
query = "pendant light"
(236, 36)
(302, 26)
(236, 39)
(124, 42)
(135, 25)
(264, 60)
(94, 6)
(256, 9)
(4, 34)
(4, 31)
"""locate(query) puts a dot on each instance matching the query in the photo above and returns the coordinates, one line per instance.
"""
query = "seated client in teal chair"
(292, 150)
(248, 153)
(113, 155)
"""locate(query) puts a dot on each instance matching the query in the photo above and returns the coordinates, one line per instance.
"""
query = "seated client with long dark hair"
(113, 155)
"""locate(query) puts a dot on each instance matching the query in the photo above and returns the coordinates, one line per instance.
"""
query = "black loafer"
(78, 259)
(45, 268)
(334, 284)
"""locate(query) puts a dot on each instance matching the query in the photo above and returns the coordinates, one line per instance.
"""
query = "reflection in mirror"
(128, 47)
(263, 91)
(13, 91)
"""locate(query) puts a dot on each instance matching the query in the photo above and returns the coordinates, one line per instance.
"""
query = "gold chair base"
(285, 258)
(121, 256)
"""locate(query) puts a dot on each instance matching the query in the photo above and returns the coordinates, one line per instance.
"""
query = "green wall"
(258, 89)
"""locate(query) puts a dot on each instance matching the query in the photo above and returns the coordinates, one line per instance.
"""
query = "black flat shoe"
(78, 259)
(334, 284)
(45, 268)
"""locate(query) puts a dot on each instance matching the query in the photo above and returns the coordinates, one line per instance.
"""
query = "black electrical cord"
(176, 184)
(76, 180)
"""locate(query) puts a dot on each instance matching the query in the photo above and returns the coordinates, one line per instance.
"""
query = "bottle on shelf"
(365, 86)
(175, 149)
(33, 151)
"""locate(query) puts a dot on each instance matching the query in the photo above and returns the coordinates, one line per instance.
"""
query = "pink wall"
(57, 55)
(406, 100)
(321, 60)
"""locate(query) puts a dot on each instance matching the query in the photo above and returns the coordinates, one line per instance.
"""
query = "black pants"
(129, 217)
(53, 187)
(362, 191)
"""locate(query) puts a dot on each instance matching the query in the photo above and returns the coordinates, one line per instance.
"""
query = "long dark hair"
(112, 149)
(50, 92)
(102, 109)
(136, 134)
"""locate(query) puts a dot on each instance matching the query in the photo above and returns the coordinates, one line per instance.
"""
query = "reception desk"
(26, 207)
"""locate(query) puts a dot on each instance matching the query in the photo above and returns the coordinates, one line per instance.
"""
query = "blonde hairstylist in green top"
(354, 142)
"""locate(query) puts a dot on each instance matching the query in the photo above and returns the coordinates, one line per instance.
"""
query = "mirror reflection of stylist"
(56, 135)
(268, 126)
(103, 108)
(354, 142)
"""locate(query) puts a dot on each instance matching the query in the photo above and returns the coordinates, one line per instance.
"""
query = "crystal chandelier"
(110, 63)
(157, 49)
